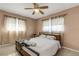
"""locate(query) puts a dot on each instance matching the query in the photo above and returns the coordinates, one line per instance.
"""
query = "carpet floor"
(11, 51)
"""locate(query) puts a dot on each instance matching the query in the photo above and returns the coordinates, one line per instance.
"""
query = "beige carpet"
(66, 52)
(11, 51)
(8, 51)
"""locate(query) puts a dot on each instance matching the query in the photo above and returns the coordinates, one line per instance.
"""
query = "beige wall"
(3, 36)
(71, 34)
(31, 26)
(38, 26)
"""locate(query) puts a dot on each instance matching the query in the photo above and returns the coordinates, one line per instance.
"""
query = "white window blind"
(15, 24)
(53, 25)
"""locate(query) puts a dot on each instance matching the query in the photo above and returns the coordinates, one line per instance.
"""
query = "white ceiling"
(18, 8)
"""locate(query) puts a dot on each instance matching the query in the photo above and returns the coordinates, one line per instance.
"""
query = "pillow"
(20, 41)
(30, 43)
(51, 37)
(25, 41)
(43, 36)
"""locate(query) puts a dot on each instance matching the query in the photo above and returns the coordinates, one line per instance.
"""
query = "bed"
(41, 46)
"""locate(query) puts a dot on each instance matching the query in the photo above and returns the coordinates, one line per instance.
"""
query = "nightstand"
(35, 35)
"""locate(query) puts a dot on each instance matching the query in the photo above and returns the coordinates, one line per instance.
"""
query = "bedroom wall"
(30, 27)
(71, 33)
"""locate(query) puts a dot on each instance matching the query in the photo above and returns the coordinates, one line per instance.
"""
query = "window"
(57, 24)
(21, 25)
(54, 25)
(10, 23)
(46, 26)
(15, 24)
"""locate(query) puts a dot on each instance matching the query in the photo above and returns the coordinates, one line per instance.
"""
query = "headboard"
(58, 36)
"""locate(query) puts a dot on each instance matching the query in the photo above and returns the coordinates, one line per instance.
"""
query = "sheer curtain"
(14, 28)
(55, 25)
(21, 28)
(46, 26)
(8, 35)
(15, 24)
(10, 23)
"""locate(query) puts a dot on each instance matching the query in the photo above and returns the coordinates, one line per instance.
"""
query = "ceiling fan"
(37, 8)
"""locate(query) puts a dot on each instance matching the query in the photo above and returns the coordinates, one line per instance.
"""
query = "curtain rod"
(15, 17)
(58, 16)
(9, 16)
(54, 17)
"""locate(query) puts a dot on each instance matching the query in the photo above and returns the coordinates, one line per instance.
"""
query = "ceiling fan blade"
(28, 8)
(43, 7)
(33, 13)
(41, 12)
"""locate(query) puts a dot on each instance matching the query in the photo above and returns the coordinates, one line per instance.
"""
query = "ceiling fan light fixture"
(36, 10)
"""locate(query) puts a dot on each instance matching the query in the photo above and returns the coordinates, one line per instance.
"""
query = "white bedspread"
(44, 47)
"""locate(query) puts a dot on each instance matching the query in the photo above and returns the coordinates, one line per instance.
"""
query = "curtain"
(47, 25)
(21, 29)
(7, 36)
(55, 25)
(13, 29)
(10, 23)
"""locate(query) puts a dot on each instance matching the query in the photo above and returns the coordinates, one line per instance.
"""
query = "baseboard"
(70, 49)
(5, 45)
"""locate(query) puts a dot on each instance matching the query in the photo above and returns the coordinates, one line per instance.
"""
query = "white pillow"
(26, 41)
(51, 37)
(43, 36)
(31, 43)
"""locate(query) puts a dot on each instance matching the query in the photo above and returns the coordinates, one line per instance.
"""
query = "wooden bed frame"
(24, 53)
(57, 35)
(20, 50)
